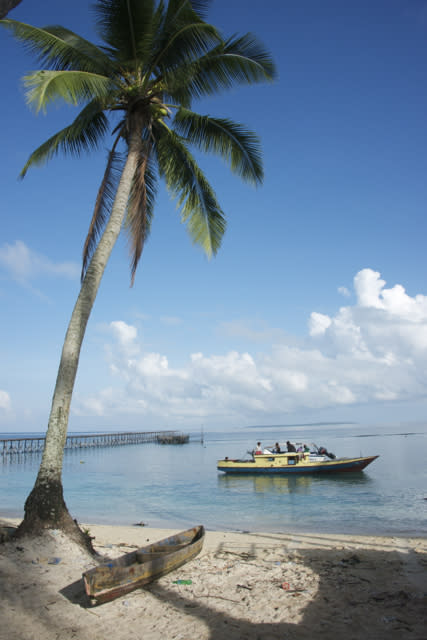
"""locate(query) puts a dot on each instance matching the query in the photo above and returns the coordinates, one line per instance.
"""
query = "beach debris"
(244, 555)
(45, 560)
(182, 582)
(6, 533)
(287, 587)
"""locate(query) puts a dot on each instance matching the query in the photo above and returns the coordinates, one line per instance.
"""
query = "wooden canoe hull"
(137, 568)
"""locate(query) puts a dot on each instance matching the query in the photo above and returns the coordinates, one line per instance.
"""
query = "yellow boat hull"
(293, 463)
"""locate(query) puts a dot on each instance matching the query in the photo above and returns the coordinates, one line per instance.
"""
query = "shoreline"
(139, 534)
(16, 519)
(243, 585)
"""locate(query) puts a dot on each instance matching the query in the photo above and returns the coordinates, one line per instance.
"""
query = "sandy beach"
(244, 586)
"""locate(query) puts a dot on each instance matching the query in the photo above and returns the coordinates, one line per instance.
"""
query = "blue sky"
(315, 308)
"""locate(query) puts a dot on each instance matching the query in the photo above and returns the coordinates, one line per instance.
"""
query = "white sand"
(341, 587)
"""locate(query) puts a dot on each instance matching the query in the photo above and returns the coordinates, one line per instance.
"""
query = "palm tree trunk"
(45, 506)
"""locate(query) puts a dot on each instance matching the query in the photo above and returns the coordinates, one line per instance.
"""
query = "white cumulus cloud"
(125, 333)
(5, 401)
(319, 323)
(344, 292)
(372, 351)
(25, 265)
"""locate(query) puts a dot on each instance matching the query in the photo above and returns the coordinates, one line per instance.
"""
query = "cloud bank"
(25, 265)
(5, 402)
(374, 351)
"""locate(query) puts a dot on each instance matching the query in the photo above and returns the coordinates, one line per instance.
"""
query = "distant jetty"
(35, 444)
(174, 438)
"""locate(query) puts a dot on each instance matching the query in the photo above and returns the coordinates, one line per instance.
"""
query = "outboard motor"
(324, 452)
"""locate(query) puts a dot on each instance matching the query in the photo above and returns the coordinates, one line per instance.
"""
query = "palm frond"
(230, 140)
(185, 181)
(140, 209)
(84, 134)
(238, 61)
(58, 48)
(189, 43)
(127, 27)
(103, 205)
(74, 87)
(183, 37)
(178, 13)
(152, 50)
(201, 7)
(250, 60)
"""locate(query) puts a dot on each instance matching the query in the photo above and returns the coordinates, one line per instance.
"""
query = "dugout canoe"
(137, 568)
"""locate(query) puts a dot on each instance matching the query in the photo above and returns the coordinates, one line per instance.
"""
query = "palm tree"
(139, 85)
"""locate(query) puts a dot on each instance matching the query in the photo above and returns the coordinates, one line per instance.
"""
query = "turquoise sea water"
(179, 485)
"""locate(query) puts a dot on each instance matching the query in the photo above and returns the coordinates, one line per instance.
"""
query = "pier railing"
(35, 444)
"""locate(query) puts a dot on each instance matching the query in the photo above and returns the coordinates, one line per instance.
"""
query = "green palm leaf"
(249, 59)
(74, 87)
(201, 7)
(127, 27)
(185, 181)
(230, 140)
(186, 44)
(238, 61)
(183, 37)
(59, 48)
(84, 134)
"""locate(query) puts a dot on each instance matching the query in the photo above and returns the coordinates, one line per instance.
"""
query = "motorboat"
(315, 460)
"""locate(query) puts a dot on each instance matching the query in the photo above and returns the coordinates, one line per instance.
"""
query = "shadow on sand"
(362, 593)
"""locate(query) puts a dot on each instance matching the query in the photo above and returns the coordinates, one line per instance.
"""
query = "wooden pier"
(35, 444)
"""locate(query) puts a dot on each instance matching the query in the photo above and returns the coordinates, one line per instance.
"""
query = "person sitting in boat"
(306, 448)
(258, 449)
(277, 448)
(290, 447)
